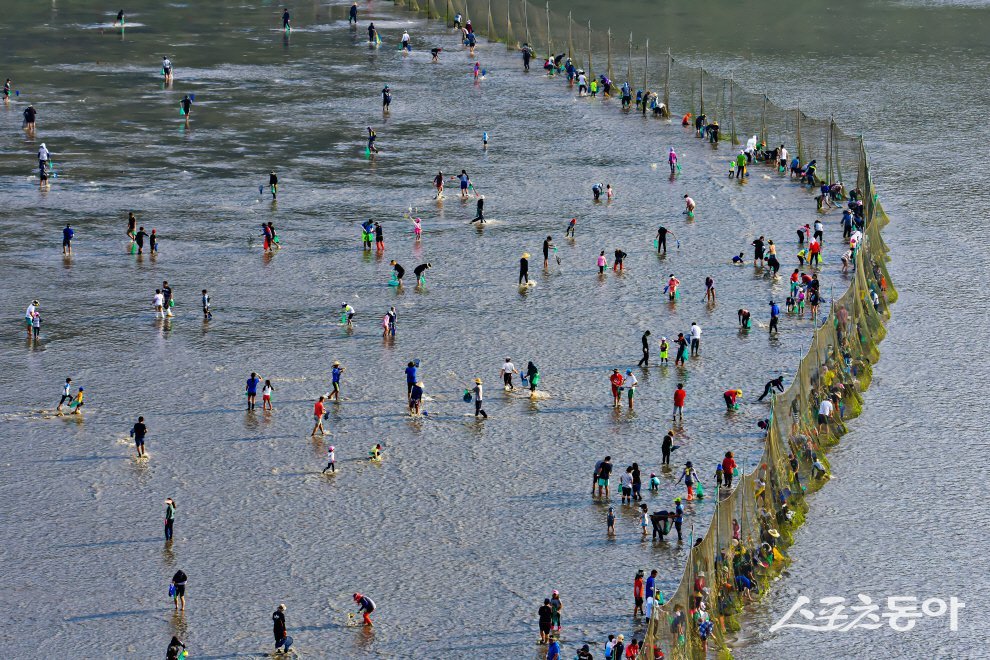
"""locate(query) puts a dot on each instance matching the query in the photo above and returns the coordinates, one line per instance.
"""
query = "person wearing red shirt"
(728, 466)
(679, 396)
(318, 411)
(730, 397)
(639, 589)
(616, 380)
(815, 249)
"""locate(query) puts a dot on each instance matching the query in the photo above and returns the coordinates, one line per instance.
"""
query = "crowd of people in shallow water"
(805, 295)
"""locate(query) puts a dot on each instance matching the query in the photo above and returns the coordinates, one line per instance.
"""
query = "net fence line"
(744, 546)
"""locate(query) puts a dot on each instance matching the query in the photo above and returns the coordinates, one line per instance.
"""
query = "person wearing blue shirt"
(335, 377)
(252, 389)
(410, 378)
(553, 651)
(67, 235)
(774, 317)
(678, 517)
(651, 584)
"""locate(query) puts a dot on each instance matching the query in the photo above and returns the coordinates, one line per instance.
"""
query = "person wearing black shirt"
(398, 270)
(619, 256)
(30, 114)
(419, 270)
(662, 233)
(645, 362)
(682, 345)
(175, 647)
(278, 626)
(379, 237)
(524, 269)
(545, 613)
(273, 184)
(604, 472)
(167, 294)
(666, 447)
(480, 214)
(179, 582)
(776, 383)
(547, 244)
(139, 239)
(758, 250)
(138, 433)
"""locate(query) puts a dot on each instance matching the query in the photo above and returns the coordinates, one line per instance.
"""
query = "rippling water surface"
(466, 525)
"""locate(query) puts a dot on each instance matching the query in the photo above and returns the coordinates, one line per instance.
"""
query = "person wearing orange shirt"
(318, 412)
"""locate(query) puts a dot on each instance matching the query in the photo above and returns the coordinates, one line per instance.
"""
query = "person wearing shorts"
(139, 431)
(318, 412)
(335, 380)
(179, 583)
(604, 471)
(825, 412)
(65, 395)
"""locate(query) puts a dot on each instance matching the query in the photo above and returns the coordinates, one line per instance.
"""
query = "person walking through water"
(480, 215)
(662, 233)
(386, 99)
(524, 269)
(273, 184)
(506, 371)
(372, 136)
(645, 361)
(282, 639)
(166, 69)
(478, 392)
(138, 432)
(169, 517)
(286, 19)
(186, 106)
(352, 15)
(331, 460)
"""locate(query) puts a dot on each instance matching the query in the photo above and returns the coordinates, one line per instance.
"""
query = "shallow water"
(465, 526)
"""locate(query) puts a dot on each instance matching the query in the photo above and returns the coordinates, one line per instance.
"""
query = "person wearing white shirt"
(405, 41)
(825, 410)
(782, 162)
(630, 384)
(159, 303)
(507, 370)
(29, 315)
(695, 339)
(167, 68)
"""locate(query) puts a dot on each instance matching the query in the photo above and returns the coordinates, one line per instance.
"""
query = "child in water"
(266, 395)
(664, 348)
(610, 521)
(375, 453)
(331, 460)
(654, 483)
